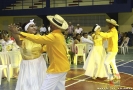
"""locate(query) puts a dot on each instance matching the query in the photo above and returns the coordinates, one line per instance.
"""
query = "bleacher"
(35, 4)
(30, 7)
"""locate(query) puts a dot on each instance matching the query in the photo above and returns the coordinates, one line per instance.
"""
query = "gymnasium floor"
(76, 80)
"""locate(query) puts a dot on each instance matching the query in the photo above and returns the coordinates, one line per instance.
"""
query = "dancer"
(33, 66)
(57, 53)
(112, 49)
(94, 64)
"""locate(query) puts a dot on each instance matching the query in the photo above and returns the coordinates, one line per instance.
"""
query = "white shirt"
(78, 30)
(6, 44)
(43, 29)
(90, 37)
(85, 40)
(88, 42)
(3, 42)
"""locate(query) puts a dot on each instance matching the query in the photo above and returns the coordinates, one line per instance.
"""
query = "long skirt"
(31, 74)
(94, 64)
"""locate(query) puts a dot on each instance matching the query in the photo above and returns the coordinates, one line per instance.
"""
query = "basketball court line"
(74, 77)
(127, 66)
(101, 82)
(80, 80)
(125, 63)
(127, 73)
(72, 84)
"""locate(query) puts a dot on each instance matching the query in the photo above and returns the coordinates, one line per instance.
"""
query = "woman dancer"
(33, 66)
(94, 64)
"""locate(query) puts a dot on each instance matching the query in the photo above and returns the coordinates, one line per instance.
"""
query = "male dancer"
(112, 49)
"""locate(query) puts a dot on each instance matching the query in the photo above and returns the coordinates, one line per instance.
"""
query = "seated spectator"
(77, 40)
(125, 36)
(89, 43)
(120, 38)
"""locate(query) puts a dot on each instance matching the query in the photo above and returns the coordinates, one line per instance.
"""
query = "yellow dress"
(94, 64)
(30, 50)
(33, 66)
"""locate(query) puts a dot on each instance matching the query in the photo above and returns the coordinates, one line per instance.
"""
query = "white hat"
(27, 25)
(97, 27)
(58, 21)
(112, 21)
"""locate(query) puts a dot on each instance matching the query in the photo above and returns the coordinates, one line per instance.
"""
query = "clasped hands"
(13, 29)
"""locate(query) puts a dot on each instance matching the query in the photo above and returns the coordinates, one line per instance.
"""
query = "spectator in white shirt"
(85, 39)
(89, 43)
(78, 29)
(43, 30)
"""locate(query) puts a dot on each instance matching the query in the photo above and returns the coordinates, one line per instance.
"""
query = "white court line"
(127, 73)
(77, 82)
(128, 66)
(72, 83)
(124, 63)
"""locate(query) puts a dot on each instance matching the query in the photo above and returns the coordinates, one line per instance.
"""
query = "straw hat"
(58, 21)
(112, 21)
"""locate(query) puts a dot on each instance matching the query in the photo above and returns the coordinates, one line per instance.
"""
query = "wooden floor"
(76, 80)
